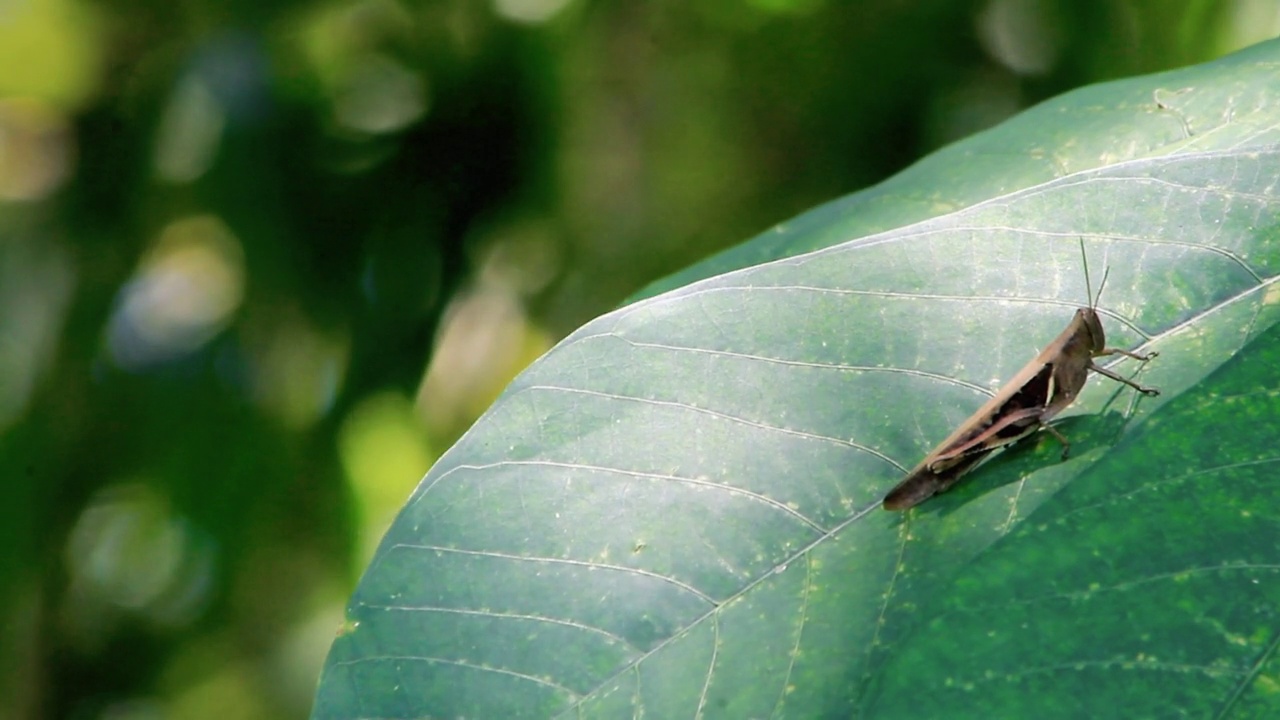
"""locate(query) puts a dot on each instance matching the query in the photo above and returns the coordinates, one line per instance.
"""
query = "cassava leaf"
(674, 513)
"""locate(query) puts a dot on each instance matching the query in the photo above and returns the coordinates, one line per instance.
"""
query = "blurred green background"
(260, 263)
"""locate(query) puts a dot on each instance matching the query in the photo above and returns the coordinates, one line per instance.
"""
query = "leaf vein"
(711, 665)
(724, 416)
(732, 489)
(574, 696)
(795, 648)
(564, 561)
(1249, 677)
(508, 616)
(809, 364)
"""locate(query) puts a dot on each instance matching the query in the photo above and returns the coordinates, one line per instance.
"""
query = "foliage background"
(261, 263)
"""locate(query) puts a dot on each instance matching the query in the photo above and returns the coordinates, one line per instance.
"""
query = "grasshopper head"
(1088, 316)
(1093, 327)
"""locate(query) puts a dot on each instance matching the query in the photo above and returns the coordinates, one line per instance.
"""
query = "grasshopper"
(1041, 390)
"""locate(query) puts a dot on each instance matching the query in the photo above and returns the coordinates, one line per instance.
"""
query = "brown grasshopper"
(1041, 390)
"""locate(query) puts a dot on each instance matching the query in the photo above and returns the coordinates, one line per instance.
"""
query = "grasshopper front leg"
(1148, 391)
(1127, 353)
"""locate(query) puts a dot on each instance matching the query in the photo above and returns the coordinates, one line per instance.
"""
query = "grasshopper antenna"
(1088, 289)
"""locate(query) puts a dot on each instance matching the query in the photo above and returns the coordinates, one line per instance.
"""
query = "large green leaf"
(675, 512)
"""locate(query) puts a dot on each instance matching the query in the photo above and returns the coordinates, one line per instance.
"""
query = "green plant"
(674, 513)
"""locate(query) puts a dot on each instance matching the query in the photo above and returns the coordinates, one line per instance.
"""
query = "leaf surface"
(675, 512)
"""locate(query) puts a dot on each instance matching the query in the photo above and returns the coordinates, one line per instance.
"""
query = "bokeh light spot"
(183, 294)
